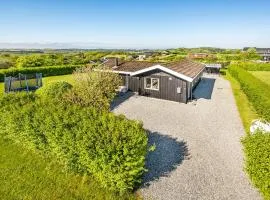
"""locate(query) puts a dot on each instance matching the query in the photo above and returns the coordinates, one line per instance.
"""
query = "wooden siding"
(197, 80)
(134, 83)
(168, 85)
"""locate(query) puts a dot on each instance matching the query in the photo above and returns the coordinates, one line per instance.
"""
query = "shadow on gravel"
(204, 89)
(169, 154)
(120, 98)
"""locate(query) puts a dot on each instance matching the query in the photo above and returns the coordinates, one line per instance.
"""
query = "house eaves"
(165, 69)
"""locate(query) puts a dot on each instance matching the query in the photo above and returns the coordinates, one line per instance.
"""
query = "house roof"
(128, 66)
(185, 69)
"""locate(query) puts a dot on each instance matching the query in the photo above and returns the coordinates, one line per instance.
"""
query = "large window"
(151, 83)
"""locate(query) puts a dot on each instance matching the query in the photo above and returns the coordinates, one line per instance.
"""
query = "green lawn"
(27, 175)
(262, 75)
(246, 110)
(67, 78)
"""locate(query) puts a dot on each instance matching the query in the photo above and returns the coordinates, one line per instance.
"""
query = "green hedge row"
(110, 148)
(256, 90)
(249, 66)
(257, 150)
(46, 71)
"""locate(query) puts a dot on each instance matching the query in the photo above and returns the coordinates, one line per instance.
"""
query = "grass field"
(27, 175)
(246, 110)
(262, 75)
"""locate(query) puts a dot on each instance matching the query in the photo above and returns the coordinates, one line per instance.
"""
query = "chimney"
(116, 62)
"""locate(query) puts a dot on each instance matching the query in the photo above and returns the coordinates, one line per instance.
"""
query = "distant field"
(262, 75)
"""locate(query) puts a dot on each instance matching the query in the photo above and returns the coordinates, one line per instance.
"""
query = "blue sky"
(137, 24)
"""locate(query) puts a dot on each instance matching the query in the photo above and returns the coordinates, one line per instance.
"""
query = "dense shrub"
(257, 150)
(54, 90)
(110, 148)
(94, 88)
(5, 64)
(251, 66)
(34, 60)
(46, 71)
(52, 59)
(257, 91)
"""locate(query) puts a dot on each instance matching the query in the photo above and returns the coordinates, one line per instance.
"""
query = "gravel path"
(198, 152)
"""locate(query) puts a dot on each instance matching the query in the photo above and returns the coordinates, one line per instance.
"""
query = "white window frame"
(151, 88)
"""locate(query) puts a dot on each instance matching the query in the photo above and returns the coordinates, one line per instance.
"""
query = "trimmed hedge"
(249, 66)
(257, 150)
(46, 71)
(110, 148)
(257, 91)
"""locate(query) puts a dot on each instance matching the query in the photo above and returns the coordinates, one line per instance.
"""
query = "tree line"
(51, 59)
(8, 60)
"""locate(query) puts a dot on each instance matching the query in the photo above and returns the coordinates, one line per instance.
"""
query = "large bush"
(34, 60)
(94, 88)
(257, 91)
(257, 150)
(110, 148)
(5, 64)
(46, 71)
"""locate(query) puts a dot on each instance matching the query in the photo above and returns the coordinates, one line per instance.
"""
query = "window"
(151, 83)
(179, 90)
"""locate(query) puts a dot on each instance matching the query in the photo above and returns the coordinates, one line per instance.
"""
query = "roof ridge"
(186, 67)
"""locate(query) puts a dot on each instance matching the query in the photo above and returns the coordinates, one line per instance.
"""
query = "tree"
(94, 88)
(30, 61)
(4, 64)
(252, 54)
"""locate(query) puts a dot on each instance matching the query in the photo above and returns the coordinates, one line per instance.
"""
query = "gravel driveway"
(198, 151)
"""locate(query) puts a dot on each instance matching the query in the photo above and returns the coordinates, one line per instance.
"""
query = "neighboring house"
(142, 57)
(200, 55)
(174, 81)
(164, 53)
(146, 55)
(149, 53)
(263, 52)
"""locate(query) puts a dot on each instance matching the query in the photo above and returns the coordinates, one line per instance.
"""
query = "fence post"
(37, 80)
(26, 82)
(10, 83)
(6, 81)
(40, 79)
(20, 80)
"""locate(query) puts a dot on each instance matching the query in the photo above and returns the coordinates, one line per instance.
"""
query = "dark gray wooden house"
(263, 52)
(171, 81)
